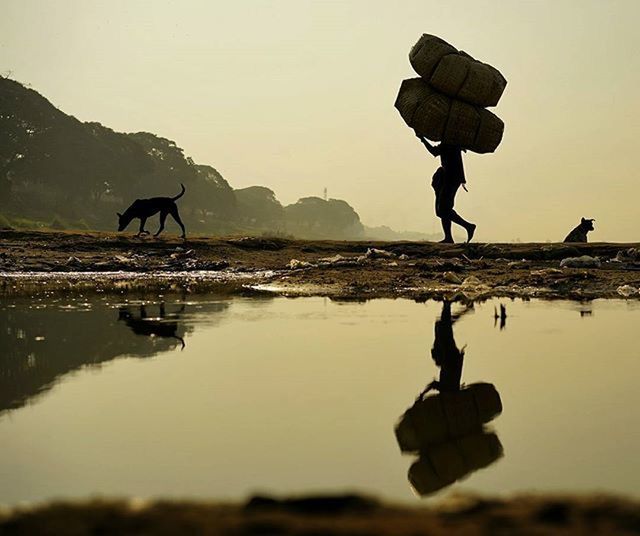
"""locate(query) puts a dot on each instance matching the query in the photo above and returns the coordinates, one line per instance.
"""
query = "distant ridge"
(59, 172)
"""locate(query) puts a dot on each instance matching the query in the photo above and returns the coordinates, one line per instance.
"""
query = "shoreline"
(332, 515)
(38, 262)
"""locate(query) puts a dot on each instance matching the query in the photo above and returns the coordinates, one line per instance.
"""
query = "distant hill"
(59, 172)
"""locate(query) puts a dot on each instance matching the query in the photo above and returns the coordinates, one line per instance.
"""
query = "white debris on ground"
(585, 261)
(546, 272)
(295, 264)
(373, 253)
(627, 290)
(627, 255)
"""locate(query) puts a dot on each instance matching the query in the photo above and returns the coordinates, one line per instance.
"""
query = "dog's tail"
(180, 194)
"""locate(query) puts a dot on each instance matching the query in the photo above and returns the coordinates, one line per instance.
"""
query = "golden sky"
(298, 95)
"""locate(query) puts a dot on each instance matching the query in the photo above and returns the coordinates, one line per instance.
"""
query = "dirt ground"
(329, 516)
(32, 262)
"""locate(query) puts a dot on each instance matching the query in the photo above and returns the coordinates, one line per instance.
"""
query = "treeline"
(59, 172)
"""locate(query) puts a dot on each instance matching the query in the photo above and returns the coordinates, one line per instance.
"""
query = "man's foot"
(446, 241)
(471, 230)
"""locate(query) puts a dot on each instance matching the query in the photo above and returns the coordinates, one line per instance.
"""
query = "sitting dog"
(579, 234)
(145, 208)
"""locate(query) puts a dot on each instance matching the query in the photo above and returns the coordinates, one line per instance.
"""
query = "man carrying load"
(448, 103)
(446, 181)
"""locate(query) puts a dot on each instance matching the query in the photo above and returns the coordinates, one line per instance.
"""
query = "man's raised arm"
(434, 150)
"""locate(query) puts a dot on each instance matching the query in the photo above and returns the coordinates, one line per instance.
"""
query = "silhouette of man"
(445, 352)
(446, 181)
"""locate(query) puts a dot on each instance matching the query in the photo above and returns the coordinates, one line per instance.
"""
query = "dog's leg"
(163, 217)
(176, 216)
(142, 223)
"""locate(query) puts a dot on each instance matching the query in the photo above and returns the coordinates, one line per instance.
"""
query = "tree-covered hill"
(57, 171)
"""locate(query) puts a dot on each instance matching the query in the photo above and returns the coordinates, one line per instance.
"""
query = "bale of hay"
(455, 73)
(440, 118)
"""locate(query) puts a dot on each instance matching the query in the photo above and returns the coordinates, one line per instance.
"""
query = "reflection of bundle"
(444, 416)
(441, 465)
(447, 431)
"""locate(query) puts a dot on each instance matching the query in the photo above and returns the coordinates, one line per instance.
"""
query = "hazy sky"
(298, 95)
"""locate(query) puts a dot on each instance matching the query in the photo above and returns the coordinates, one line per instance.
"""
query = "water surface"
(219, 398)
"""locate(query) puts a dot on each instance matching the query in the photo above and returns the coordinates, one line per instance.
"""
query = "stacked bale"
(447, 431)
(441, 465)
(448, 102)
(445, 416)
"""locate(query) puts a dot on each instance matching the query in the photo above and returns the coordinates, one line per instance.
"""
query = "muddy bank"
(340, 515)
(42, 262)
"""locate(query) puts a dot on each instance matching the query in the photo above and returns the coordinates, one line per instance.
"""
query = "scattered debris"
(585, 261)
(404, 257)
(452, 278)
(627, 255)
(627, 290)
(373, 253)
(471, 281)
(295, 264)
(450, 265)
(74, 262)
(545, 272)
(252, 242)
(336, 259)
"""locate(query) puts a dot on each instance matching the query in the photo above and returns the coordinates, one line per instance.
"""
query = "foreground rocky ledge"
(41, 262)
(333, 515)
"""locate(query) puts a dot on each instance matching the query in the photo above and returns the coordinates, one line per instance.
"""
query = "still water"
(220, 398)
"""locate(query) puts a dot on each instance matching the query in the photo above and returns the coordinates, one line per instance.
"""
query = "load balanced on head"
(447, 103)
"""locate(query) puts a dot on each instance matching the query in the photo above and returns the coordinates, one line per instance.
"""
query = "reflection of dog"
(579, 233)
(145, 208)
(165, 326)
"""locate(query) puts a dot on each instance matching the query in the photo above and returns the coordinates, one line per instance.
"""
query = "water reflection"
(445, 427)
(164, 325)
(41, 344)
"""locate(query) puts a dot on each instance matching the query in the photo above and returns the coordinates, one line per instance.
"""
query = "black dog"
(145, 208)
(579, 233)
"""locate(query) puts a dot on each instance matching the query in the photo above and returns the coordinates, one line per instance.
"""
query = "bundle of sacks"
(447, 103)
(447, 431)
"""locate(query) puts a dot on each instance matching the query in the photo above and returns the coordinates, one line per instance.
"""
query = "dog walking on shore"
(145, 208)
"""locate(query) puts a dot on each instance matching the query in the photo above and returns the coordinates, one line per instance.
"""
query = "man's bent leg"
(469, 227)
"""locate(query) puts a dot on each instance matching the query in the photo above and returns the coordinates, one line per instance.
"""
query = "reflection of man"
(447, 429)
(445, 352)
